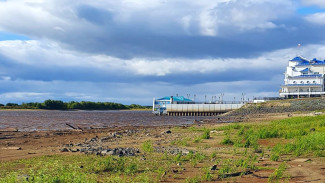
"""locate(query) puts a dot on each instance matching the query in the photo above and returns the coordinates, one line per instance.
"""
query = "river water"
(31, 120)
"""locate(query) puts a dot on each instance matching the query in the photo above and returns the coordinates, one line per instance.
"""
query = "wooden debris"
(9, 130)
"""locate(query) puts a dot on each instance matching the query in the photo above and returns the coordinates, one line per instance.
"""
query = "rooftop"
(176, 99)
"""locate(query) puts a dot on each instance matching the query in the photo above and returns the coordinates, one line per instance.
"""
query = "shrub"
(227, 141)
(206, 134)
(147, 146)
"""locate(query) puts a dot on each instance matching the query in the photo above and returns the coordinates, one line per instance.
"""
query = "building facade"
(303, 78)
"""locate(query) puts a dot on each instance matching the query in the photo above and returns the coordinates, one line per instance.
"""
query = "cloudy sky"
(130, 51)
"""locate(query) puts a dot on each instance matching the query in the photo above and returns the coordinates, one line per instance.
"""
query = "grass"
(279, 173)
(147, 146)
(296, 133)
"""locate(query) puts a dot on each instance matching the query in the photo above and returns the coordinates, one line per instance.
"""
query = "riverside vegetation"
(251, 151)
(83, 105)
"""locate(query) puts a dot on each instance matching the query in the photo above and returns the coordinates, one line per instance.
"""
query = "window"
(308, 82)
(301, 82)
(301, 90)
(314, 82)
(294, 82)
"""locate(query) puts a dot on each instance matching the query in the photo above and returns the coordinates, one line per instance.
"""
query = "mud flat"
(44, 120)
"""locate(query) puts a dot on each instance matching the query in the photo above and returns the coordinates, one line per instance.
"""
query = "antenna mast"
(298, 50)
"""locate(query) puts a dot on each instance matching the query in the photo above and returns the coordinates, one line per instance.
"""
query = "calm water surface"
(56, 120)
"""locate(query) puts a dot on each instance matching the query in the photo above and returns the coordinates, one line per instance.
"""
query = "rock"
(74, 150)
(214, 167)
(81, 166)
(312, 129)
(23, 177)
(103, 152)
(104, 139)
(317, 113)
(179, 164)
(168, 131)
(185, 151)
(110, 153)
(64, 149)
(175, 171)
(93, 139)
(258, 151)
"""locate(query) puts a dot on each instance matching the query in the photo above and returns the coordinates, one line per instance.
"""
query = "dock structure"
(304, 78)
(180, 106)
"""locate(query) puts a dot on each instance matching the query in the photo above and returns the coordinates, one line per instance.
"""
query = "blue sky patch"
(309, 10)
(10, 36)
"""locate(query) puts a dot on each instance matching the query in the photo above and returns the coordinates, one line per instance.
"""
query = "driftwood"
(9, 130)
(73, 127)
(235, 174)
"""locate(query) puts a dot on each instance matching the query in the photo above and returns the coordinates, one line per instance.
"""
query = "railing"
(213, 102)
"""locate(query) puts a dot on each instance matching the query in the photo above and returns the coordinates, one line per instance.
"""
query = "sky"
(130, 51)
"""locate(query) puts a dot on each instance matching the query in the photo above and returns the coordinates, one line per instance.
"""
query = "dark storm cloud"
(134, 50)
(165, 30)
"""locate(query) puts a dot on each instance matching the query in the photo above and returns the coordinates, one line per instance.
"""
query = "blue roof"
(304, 62)
(299, 59)
(177, 99)
(305, 70)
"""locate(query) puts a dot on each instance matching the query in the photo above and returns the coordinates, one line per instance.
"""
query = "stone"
(317, 113)
(24, 177)
(185, 151)
(110, 153)
(179, 164)
(214, 167)
(258, 151)
(168, 131)
(64, 149)
(74, 150)
(103, 152)
(312, 129)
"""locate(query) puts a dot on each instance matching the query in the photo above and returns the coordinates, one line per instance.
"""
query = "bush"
(206, 134)
(54, 104)
(147, 146)
(227, 141)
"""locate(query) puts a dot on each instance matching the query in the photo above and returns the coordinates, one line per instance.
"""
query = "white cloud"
(40, 54)
(54, 19)
(320, 3)
(6, 78)
(44, 53)
(317, 18)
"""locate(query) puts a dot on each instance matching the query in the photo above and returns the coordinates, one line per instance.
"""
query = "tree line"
(83, 105)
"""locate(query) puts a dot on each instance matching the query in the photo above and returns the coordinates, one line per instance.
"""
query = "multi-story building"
(303, 78)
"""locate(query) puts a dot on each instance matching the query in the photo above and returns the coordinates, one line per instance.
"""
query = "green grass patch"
(147, 146)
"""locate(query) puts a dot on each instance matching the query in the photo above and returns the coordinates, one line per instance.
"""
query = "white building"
(303, 78)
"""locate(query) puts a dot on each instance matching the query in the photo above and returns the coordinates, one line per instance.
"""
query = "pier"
(180, 106)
